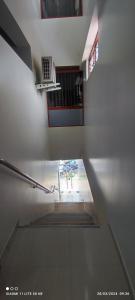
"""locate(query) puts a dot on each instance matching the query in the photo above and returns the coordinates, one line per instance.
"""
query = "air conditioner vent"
(48, 70)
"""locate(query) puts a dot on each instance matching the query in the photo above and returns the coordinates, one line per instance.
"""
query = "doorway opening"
(72, 203)
(73, 182)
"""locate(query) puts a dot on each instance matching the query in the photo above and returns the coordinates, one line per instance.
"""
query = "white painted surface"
(110, 124)
(64, 263)
(23, 141)
(65, 142)
(24, 10)
(26, 13)
(62, 38)
(23, 120)
(88, 7)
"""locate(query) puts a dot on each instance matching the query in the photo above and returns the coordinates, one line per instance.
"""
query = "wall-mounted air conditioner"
(48, 70)
(48, 76)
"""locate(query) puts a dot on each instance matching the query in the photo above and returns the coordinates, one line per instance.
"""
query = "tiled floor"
(63, 263)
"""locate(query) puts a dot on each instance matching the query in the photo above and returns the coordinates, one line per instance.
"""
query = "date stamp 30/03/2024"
(113, 293)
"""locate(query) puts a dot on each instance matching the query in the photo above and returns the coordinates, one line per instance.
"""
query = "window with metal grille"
(93, 56)
(61, 8)
(65, 106)
(71, 93)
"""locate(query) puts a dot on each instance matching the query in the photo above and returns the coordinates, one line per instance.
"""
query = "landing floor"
(63, 263)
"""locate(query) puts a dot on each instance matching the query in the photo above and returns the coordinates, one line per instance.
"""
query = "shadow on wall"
(36, 68)
(99, 199)
(36, 71)
(101, 5)
(13, 35)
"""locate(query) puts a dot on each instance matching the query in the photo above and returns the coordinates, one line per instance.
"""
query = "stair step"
(65, 218)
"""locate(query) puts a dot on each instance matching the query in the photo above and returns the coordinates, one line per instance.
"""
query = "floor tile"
(63, 263)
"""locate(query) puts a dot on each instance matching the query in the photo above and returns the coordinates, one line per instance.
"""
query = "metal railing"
(35, 183)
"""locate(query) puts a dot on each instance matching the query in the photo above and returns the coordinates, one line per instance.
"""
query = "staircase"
(65, 219)
(82, 214)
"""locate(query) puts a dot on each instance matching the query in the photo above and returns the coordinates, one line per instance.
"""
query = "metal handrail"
(5, 163)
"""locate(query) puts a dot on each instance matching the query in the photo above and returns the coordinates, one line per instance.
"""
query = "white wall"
(24, 10)
(23, 142)
(110, 124)
(88, 7)
(63, 38)
(26, 13)
(66, 142)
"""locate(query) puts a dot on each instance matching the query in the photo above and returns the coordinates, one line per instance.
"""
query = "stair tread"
(65, 218)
